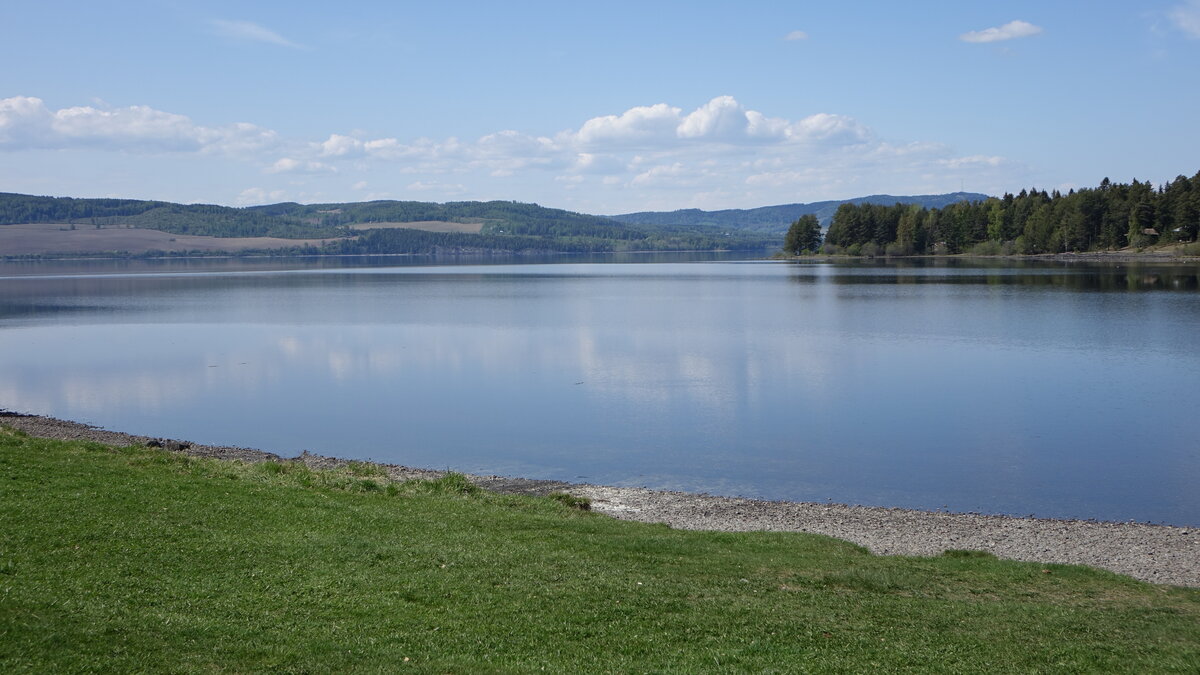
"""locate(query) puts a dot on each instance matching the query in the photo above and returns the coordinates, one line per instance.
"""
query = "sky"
(600, 108)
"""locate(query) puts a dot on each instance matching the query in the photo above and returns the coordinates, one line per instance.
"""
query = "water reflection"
(989, 389)
(1072, 276)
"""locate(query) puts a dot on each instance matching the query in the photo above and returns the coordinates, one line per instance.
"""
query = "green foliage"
(777, 219)
(571, 501)
(964, 553)
(506, 226)
(365, 469)
(989, 247)
(196, 219)
(136, 560)
(1108, 217)
(804, 235)
(453, 483)
(450, 484)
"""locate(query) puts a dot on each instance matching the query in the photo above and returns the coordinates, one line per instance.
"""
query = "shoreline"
(1164, 255)
(1159, 256)
(285, 255)
(1162, 554)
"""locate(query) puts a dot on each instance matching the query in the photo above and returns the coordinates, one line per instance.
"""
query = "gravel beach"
(1156, 553)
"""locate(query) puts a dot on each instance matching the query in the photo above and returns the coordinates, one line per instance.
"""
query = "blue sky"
(601, 108)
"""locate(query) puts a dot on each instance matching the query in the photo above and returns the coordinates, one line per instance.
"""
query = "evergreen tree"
(803, 235)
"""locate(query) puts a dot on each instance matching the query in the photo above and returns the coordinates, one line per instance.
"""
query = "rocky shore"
(1155, 553)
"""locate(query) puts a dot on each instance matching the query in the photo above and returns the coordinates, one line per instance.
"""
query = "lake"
(1059, 390)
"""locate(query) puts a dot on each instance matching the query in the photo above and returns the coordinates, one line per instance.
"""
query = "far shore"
(1167, 254)
(126, 243)
(1156, 553)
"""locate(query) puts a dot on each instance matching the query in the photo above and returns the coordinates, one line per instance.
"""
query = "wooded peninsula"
(1109, 217)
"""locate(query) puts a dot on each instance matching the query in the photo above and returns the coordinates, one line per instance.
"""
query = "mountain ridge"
(343, 228)
(370, 227)
(776, 219)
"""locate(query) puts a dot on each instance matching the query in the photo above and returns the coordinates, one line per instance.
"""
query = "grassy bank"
(137, 559)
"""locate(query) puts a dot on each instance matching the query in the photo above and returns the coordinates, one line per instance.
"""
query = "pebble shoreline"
(1161, 554)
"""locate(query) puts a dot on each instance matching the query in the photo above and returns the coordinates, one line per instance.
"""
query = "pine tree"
(803, 235)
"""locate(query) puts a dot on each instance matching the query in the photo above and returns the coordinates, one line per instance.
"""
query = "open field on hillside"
(44, 238)
(427, 225)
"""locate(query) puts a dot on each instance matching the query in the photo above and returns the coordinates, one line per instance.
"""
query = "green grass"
(570, 500)
(132, 559)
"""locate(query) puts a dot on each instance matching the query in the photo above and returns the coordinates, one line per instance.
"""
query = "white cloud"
(796, 35)
(26, 123)
(592, 163)
(239, 138)
(435, 186)
(247, 30)
(1009, 31)
(284, 165)
(668, 175)
(644, 145)
(507, 143)
(1186, 18)
(388, 148)
(830, 129)
(719, 154)
(257, 195)
(971, 161)
(721, 118)
(636, 124)
(659, 156)
(292, 165)
(761, 126)
(341, 146)
(338, 145)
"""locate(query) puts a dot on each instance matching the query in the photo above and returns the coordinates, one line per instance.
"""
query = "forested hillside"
(1111, 216)
(505, 226)
(197, 219)
(418, 241)
(776, 219)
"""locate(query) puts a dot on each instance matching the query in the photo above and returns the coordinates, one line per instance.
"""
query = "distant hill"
(347, 228)
(776, 219)
(292, 220)
(32, 225)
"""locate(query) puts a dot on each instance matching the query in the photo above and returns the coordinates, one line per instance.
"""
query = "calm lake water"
(1055, 390)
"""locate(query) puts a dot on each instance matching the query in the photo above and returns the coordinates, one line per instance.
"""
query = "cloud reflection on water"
(968, 394)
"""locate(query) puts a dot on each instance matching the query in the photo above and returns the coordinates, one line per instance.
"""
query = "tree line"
(383, 241)
(507, 226)
(1110, 216)
(198, 219)
(776, 219)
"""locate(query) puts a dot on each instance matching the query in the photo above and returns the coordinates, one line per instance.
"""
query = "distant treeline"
(506, 226)
(1111, 216)
(198, 219)
(776, 219)
(420, 241)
